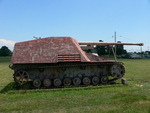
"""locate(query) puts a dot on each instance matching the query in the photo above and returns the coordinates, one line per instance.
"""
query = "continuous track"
(68, 74)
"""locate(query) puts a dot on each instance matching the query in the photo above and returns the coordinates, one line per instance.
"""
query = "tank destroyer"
(61, 61)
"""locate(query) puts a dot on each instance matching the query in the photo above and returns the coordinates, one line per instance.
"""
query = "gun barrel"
(106, 43)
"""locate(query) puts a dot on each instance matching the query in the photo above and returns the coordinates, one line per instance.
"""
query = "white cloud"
(10, 44)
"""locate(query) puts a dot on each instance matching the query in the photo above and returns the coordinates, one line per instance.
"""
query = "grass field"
(131, 98)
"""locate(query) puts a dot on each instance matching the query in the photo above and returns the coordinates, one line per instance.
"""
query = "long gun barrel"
(90, 45)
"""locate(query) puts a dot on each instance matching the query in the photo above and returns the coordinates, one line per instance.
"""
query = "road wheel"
(76, 81)
(95, 80)
(104, 79)
(86, 81)
(47, 83)
(67, 81)
(37, 83)
(57, 82)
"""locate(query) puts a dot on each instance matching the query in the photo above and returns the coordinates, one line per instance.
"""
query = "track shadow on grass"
(13, 86)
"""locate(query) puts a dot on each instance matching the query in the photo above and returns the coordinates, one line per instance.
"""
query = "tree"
(4, 51)
(101, 50)
(107, 50)
(120, 49)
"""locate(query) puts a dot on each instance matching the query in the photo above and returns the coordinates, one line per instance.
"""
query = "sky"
(84, 20)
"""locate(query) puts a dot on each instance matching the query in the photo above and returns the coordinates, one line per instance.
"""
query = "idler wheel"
(117, 71)
(57, 82)
(67, 81)
(76, 81)
(95, 80)
(104, 79)
(86, 81)
(21, 77)
(37, 83)
(47, 83)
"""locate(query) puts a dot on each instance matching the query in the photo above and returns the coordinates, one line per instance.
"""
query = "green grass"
(131, 98)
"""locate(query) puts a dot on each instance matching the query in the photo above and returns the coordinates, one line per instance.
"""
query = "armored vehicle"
(61, 61)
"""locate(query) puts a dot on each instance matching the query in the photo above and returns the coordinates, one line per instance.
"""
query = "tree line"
(107, 50)
(5, 51)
